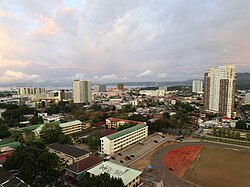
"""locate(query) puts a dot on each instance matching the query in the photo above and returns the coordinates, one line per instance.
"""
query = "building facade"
(197, 86)
(115, 123)
(112, 143)
(120, 86)
(30, 91)
(81, 91)
(219, 90)
(247, 99)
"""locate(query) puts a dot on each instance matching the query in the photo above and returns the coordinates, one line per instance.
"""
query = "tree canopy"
(103, 180)
(36, 165)
(4, 132)
(53, 133)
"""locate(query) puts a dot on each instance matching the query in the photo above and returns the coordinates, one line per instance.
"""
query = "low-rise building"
(67, 128)
(79, 169)
(129, 176)
(68, 152)
(114, 123)
(112, 143)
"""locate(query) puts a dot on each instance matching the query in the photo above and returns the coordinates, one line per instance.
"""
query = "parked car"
(132, 156)
(155, 141)
(126, 158)
(113, 157)
(119, 154)
(121, 161)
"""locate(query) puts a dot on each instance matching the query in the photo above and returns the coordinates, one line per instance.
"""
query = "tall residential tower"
(219, 90)
(81, 91)
(197, 86)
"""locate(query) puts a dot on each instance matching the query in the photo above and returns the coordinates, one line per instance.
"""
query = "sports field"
(220, 167)
(178, 160)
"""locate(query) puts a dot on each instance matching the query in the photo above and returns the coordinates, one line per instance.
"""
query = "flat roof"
(85, 164)
(125, 131)
(68, 149)
(32, 127)
(11, 144)
(115, 170)
(68, 124)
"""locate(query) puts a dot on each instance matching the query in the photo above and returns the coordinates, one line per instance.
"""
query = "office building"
(197, 86)
(120, 86)
(113, 143)
(129, 176)
(102, 88)
(219, 90)
(81, 91)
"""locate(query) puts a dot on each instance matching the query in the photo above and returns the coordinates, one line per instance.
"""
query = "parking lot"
(138, 150)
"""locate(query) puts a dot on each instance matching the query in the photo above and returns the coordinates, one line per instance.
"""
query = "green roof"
(115, 170)
(32, 127)
(125, 131)
(40, 127)
(12, 144)
(68, 124)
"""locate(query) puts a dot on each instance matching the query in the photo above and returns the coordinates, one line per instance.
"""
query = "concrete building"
(120, 86)
(103, 88)
(219, 90)
(197, 86)
(129, 176)
(67, 128)
(113, 143)
(24, 91)
(247, 99)
(114, 123)
(81, 91)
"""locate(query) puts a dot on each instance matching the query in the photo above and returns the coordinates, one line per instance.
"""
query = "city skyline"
(56, 42)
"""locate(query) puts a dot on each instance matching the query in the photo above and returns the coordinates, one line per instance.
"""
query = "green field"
(219, 167)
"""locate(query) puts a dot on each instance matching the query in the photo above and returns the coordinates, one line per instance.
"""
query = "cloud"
(17, 76)
(109, 77)
(6, 63)
(48, 27)
(145, 73)
(161, 75)
(113, 39)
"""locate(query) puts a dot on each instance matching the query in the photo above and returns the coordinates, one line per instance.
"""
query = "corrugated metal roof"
(115, 170)
(68, 124)
(125, 131)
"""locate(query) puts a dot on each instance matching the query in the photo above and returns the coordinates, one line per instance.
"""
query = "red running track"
(178, 160)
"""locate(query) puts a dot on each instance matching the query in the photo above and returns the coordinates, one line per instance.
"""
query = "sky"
(55, 41)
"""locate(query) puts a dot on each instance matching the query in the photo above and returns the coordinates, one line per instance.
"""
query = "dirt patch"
(178, 160)
(219, 167)
(142, 163)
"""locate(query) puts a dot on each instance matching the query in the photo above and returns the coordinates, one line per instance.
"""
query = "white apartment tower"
(197, 86)
(219, 90)
(81, 91)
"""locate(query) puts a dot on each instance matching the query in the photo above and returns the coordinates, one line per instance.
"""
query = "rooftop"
(68, 149)
(114, 170)
(32, 127)
(68, 124)
(125, 131)
(125, 120)
(85, 164)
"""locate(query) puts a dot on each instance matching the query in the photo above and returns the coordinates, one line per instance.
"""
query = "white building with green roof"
(129, 176)
(115, 142)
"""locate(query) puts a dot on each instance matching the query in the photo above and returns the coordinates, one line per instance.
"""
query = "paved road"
(168, 178)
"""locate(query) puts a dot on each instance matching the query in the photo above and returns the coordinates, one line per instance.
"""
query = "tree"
(166, 115)
(93, 140)
(247, 137)
(36, 165)
(241, 125)
(4, 132)
(65, 139)
(102, 180)
(36, 120)
(125, 126)
(50, 133)
(237, 135)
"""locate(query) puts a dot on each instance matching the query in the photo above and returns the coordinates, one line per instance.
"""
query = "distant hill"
(243, 81)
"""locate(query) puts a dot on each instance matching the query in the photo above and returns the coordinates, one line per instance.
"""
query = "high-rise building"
(120, 86)
(103, 88)
(197, 86)
(24, 91)
(81, 91)
(219, 90)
